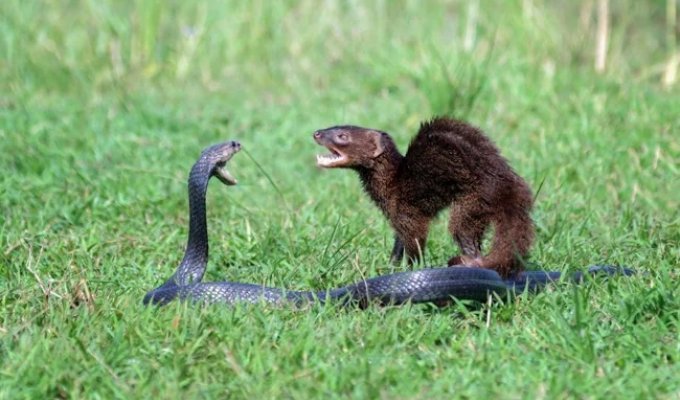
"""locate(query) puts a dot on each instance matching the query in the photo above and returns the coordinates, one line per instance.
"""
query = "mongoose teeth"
(327, 159)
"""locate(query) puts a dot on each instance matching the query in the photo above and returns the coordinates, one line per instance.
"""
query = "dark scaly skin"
(426, 285)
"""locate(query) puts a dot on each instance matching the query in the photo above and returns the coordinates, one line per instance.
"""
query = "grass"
(105, 105)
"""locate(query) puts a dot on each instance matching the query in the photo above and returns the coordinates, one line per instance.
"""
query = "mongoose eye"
(342, 137)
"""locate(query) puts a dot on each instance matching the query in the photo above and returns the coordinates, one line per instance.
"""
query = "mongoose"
(448, 163)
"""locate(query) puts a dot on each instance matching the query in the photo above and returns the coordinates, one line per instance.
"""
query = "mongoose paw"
(454, 261)
(463, 260)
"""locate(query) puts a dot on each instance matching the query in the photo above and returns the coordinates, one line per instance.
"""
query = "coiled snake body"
(426, 285)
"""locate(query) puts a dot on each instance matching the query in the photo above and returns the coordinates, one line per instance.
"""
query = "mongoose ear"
(379, 139)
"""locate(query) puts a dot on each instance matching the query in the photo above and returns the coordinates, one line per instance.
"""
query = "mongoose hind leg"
(467, 225)
(511, 243)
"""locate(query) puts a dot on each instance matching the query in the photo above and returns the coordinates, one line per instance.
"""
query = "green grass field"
(105, 105)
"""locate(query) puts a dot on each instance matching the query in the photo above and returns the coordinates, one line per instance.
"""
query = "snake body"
(426, 285)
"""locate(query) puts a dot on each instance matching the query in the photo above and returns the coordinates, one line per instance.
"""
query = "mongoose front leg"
(412, 233)
(415, 248)
(397, 251)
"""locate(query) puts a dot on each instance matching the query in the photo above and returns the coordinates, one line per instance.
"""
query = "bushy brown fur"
(448, 163)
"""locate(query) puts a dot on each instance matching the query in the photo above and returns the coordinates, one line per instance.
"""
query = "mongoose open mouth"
(334, 159)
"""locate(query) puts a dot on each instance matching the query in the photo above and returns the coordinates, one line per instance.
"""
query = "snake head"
(218, 155)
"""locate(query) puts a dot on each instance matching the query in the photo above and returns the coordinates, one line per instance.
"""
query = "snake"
(433, 285)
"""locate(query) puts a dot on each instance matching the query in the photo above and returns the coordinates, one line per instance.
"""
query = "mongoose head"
(350, 146)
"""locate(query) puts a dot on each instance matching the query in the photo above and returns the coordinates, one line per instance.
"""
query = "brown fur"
(448, 163)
